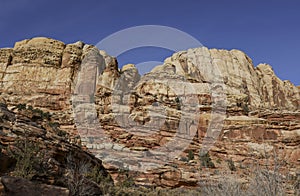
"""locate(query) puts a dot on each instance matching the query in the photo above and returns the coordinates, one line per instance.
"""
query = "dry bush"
(143, 191)
(265, 181)
(76, 176)
(83, 179)
(177, 191)
(227, 186)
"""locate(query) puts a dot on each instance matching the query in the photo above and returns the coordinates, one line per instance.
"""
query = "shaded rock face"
(260, 108)
(33, 146)
(19, 186)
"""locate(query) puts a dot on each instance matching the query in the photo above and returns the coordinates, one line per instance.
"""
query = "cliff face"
(37, 78)
(258, 87)
(42, 72)
(262, 111)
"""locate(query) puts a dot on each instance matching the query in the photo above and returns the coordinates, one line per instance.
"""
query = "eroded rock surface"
(34, 147)
(140, 114)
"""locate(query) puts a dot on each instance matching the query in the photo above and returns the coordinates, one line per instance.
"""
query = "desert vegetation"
(83, 179)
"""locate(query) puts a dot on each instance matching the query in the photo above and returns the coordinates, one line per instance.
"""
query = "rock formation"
(33, 146)
(192, 92)
(19, 187)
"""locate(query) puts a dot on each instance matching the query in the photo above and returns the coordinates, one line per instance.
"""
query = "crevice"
(9, 61)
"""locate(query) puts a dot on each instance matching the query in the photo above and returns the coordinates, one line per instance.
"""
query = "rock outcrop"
(191, 92)
(259, 87)
(34, 147)
(19, 187)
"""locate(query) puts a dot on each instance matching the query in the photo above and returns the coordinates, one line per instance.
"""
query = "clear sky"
(268, 31)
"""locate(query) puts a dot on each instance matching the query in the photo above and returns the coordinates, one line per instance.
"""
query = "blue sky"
(268, 31)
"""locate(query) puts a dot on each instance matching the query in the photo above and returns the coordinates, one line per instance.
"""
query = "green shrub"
(231, 165)
(245, 108)
(191, 155)
(125, 178)
(96, 175)
(35, 111)
(41, 113)
(178, 103)
(46, 115)
(184, 159)
(206, 161)
(28, 156)
(53, 125)
(21, 106)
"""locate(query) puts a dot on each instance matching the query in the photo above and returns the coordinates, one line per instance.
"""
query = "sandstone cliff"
(261, 111)
(42, 72)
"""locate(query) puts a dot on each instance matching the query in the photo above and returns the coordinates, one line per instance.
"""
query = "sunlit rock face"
(140, 114)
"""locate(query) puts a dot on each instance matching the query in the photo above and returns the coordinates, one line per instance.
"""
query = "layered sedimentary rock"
(47, 69)
(34, 147)
(181, 100)
(262, 116)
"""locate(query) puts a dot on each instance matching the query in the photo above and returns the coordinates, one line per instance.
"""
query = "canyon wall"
(259, 112)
